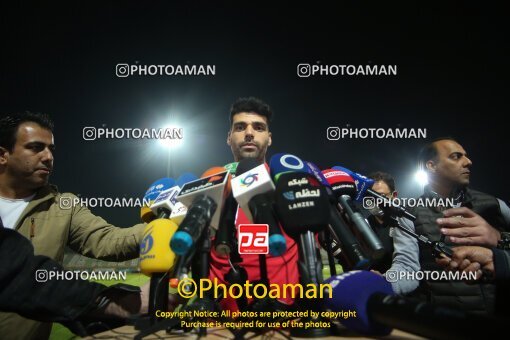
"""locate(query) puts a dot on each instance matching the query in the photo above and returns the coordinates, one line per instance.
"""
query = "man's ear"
(431, 166)
(4, 155)
(395, 194)
(228, 139)
(270, 139)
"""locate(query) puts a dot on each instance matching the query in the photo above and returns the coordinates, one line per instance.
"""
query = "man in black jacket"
(57, 300)
(449, 168)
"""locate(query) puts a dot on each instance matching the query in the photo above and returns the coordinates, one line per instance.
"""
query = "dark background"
(452, 80)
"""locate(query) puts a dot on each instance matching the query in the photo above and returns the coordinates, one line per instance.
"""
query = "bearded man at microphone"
(31, 206)
(249, 137)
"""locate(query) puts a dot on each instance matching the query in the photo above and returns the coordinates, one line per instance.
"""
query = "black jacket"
(53, 300)
(77, 304)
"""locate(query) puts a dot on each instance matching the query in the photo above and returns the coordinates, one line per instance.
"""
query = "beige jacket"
(51, 226)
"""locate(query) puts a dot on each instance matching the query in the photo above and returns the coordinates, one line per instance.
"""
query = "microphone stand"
(158, 290)
(310, 268)
(200, 269)
(263, 305)
(329, 245)
(438, 247)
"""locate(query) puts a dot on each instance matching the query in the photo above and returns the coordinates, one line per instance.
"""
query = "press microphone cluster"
(364, 185)
(156, 256)
(204, 198)
(295, 197)
(344, 189)
(319, 211)
(394, 211)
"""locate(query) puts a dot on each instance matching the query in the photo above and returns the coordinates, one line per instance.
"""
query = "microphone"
(253, 189)
(350, 293)
(350, 252)
(185, 178)
(156, 256)
(302, 206)
(281, 165)
(364, 185)
(156, 260)
(378, 310)
(203, 197)
(352, 255)
(166, 204)
(225, 235)
(231, 168)
(151, 194)
(344, 189)
(180, 210)
(314, 170)
(302, 203)
(394, 211)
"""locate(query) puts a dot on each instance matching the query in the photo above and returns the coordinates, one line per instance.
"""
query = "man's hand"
(465, 227)
(125, 305)
(469, 259)
(144, 296)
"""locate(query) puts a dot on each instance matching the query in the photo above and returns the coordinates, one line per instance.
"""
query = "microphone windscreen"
(151, 194)
(185, 178)
(212, 171)
(351, 292)
(340, 182)
(246, 165)
(302, 203)
(284, 162)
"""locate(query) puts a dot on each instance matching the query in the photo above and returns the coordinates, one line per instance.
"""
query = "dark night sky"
(452, 80)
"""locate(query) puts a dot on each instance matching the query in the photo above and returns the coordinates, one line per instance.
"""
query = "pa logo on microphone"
(253, 238)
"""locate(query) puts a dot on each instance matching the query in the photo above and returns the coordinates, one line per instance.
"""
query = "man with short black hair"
(249, 137)
(30, 205)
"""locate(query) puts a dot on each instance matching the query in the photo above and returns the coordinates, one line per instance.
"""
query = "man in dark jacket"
(448, 168)
(65, 301)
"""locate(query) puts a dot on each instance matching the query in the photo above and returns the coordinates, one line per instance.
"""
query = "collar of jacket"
(458, 194)
(461, 196)
(43, 194)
